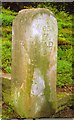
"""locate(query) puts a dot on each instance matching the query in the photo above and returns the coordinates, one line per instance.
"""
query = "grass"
(6, 19)
(64, 66)
(64, 73)
(6, 56)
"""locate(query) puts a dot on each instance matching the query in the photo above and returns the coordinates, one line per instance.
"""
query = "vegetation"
(65, 38)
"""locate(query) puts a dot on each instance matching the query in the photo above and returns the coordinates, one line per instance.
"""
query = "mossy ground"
(64, 97)
(66, 112)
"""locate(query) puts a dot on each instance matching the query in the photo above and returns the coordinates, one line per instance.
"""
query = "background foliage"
(63, 13)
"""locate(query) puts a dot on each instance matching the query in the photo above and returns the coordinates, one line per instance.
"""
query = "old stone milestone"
(34, 60)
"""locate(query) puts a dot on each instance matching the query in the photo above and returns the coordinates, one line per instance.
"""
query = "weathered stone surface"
(34, 58)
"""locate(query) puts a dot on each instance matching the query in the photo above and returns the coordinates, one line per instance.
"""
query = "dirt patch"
(67, 112)
(67, 89)
(8, 112)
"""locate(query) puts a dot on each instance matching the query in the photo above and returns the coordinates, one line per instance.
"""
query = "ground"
(67, 112)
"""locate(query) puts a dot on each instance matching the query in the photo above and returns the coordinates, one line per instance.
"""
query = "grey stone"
(34, 61)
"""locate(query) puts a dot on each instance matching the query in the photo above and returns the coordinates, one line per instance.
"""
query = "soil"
(67, 89)
(7, 112)
(67, 112)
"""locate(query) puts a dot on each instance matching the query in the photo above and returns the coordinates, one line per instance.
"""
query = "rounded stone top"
(31, 13)
(39, 10)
